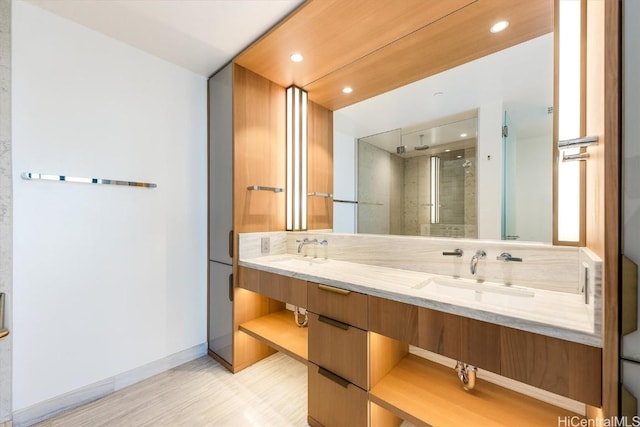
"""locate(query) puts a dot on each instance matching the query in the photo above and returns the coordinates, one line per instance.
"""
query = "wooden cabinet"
(275, 286)
(340, 348)
(394, 319)
(566, 368)
(339, 304)
(334, 402)
(338, 357)
(562, 367)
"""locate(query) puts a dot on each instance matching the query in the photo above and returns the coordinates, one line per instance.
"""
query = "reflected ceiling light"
(347, 89)
(458, 157)
(463, 135)
(296, 57)
(499, 26)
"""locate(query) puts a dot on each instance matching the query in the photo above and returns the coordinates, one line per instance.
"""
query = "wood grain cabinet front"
(335, 402)
(276, 286)
(338, 357)
(340, 348)
(338, 304)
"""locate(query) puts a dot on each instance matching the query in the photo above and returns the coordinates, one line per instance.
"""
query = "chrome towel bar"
(265, 188)
(64, 178)
(317, 193)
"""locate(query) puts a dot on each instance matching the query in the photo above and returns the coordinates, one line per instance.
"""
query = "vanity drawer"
(340, 348)
(335, 402)
(339, 304)
(275, 286)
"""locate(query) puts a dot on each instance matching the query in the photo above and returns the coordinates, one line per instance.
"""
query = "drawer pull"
(333, 377)
(334, 290)
(330, 321)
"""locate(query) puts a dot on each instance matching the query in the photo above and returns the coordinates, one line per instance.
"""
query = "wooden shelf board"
(421, 391)
(279, 331)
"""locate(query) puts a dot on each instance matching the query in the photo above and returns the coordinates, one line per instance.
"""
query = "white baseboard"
(48, 408)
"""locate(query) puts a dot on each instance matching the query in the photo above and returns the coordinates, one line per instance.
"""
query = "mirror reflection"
(510, 165)
(419, 182)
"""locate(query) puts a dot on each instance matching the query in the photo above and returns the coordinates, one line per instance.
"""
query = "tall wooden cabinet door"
(259, 121)
(319, 168)
(220, 165)
(220, 152)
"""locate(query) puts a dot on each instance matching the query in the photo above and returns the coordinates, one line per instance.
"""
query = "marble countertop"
(551, 313)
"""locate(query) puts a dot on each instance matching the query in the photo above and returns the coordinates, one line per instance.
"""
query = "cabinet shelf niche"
(279, 331)
(424, 392)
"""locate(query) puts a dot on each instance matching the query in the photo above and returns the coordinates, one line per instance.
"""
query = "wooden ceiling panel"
(332, 34)
(378, 45)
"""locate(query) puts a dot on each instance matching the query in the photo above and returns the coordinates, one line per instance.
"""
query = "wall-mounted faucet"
(305, 242)
(506, 257)
(480, 254)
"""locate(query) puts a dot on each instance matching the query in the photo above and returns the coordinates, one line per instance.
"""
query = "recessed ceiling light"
(347, 89)
(296, 57)
(499, 26)
(447, 150)
(458, 157)
(463, 135)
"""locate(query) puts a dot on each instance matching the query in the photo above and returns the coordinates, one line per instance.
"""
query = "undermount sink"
(460, 290)
(299, 261)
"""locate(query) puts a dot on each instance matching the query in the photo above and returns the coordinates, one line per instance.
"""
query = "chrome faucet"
(480, 254)
(305, 242)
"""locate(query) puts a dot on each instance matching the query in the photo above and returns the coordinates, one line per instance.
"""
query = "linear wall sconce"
(296, 159)
(64, 178)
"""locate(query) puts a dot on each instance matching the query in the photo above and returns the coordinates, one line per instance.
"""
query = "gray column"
(6, 208)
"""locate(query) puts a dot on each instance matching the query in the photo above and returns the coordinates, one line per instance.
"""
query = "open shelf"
(279, 331)
(421, 391)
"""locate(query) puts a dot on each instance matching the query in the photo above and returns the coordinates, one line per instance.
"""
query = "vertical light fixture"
(435, 190)
(569, 227)
(296, 159)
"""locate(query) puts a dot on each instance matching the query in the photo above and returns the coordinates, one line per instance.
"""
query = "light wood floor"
(272, 392)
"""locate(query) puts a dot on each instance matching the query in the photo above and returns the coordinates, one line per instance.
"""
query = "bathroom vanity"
(363, 317)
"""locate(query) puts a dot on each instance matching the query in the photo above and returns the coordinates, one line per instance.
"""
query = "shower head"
(421, 146)
(466, 164)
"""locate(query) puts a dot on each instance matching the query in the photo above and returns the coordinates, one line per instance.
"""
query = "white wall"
(107, 278)
(490, 170)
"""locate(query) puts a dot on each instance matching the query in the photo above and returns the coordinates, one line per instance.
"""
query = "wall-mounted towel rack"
(64, 178)
(265, 188)
(577, 142)
(318, 194)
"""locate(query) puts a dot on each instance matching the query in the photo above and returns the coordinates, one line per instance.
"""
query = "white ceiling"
(200, 35)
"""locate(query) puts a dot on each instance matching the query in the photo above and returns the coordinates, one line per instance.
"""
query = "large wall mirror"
(464, 153)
